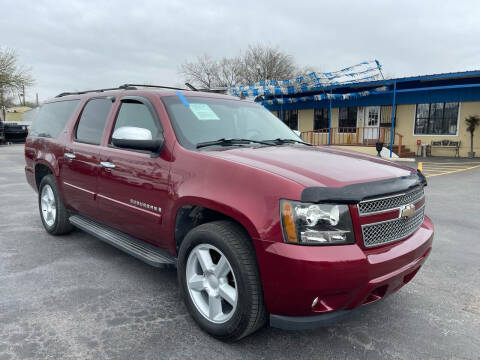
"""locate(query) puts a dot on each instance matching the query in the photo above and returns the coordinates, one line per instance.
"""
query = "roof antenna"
(191, 87)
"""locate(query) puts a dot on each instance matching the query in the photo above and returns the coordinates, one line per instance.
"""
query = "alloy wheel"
(211, 283)
(48, 205)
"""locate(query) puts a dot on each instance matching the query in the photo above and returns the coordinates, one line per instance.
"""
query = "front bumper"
(341, 277)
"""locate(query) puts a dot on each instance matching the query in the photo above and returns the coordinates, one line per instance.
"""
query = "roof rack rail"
(122, 87)
(153, 86)
(191, 87)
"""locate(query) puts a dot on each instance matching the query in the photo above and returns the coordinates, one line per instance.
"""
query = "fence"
(360, 136)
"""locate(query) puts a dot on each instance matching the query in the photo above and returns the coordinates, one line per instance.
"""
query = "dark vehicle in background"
(12, 132)
(262, 227)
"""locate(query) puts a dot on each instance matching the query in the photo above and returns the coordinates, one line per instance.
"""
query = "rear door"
(80, 164)
(133, 184)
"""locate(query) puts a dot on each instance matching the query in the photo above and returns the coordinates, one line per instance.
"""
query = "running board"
(137, 248)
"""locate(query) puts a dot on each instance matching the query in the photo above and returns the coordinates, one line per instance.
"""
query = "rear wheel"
(53, 213)
(220, 282)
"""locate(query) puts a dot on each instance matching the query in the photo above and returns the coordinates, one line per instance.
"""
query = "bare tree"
(262, 62)
(203, 71)
(13, 77)
(229, 71)
(258, 62)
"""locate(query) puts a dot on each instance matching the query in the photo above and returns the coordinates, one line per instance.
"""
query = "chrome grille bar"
(385, 232)
(389, 203)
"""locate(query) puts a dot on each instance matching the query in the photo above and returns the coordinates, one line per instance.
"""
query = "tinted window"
(52, 117)
(92, 122)
(137, 115)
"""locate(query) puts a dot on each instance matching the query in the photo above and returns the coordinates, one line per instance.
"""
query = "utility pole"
(3, 117)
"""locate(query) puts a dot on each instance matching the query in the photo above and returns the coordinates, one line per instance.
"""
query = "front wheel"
(219, 280)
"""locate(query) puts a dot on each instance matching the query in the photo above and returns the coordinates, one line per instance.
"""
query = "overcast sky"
(75, 45)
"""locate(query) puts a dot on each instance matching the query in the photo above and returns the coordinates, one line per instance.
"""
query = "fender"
(50, 160)
(52, 166)
(218, 207)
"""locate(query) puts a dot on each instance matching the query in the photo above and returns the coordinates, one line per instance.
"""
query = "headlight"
(316, 224)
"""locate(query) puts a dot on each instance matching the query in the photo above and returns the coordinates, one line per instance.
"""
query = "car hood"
(314, 166)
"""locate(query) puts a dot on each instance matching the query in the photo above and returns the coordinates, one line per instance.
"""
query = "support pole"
(330, 118)
(281, 112)
(392, 130)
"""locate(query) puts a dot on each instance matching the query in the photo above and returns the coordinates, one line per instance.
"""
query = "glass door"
(371, 124)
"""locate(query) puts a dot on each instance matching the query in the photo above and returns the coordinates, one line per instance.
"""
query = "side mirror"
(137, 138)
(298, 133)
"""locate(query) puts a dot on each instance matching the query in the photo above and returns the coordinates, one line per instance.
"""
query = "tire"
(58, 223)
(229, 240)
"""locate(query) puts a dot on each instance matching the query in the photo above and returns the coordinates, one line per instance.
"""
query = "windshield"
(197, 120)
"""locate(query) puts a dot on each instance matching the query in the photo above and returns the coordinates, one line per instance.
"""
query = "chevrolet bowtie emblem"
(407, 211)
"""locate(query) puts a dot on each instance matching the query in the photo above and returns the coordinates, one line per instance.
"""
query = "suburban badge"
(145, 205)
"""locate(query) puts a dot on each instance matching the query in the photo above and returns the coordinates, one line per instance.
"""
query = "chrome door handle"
(69, 156)
(107, 165)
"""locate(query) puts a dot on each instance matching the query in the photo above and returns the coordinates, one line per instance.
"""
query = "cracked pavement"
(74, 297)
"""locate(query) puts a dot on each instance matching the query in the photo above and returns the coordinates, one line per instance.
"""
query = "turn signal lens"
(289, 223)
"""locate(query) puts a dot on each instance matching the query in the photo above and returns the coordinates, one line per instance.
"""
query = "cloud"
(91, 44)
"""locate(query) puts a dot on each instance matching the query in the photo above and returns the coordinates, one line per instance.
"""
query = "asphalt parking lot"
(74, 297)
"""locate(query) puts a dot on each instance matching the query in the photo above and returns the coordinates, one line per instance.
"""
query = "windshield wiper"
(231, 142)
(280, 141)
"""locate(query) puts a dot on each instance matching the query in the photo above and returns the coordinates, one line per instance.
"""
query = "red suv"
(262, 227)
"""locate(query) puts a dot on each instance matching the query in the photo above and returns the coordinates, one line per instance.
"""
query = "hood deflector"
(354, 193)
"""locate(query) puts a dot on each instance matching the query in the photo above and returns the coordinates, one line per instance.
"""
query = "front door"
(372, 124)
(133, 185)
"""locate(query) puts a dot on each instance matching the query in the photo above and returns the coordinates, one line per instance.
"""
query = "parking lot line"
(430, 166)
(431, 169)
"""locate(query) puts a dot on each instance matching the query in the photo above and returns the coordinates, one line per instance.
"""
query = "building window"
(436, 119)
(290, 117)
(347, 120)
(320, 119)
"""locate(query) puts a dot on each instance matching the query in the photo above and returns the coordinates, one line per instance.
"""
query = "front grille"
(391, 230)
(390, 203)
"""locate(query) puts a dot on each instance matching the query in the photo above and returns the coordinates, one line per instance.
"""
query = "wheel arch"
(193, 212)
(41, 170)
